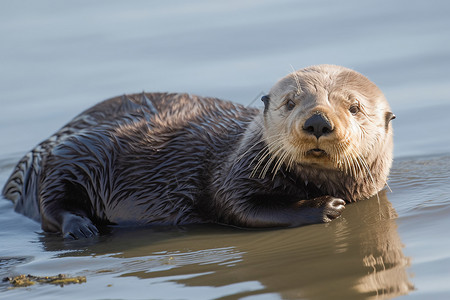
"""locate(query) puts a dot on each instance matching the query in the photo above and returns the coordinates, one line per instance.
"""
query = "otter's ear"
(266, 100)
(389, 116)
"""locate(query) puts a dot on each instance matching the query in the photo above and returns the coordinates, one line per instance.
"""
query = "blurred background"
(59, 57)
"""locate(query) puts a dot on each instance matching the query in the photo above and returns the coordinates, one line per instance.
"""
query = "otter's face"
(329, 117)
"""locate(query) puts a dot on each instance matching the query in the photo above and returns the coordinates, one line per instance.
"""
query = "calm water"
(58, 58)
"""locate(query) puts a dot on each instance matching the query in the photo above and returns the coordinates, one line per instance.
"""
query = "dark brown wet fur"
(157, 158)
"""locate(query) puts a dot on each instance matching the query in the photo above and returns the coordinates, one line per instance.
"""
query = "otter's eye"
(290, 105)
(354, 109)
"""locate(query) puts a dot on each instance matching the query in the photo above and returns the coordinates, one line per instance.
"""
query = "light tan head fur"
(358, 137)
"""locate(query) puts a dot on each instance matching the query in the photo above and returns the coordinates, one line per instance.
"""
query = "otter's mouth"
(316, 152)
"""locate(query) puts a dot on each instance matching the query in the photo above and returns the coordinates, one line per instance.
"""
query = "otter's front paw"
(332, 207)
(75, 227)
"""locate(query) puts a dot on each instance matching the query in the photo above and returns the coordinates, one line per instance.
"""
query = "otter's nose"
(318, 125)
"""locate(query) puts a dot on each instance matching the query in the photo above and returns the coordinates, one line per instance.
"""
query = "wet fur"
(156, 158)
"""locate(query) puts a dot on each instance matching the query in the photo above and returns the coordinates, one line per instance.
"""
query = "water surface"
(58, 58)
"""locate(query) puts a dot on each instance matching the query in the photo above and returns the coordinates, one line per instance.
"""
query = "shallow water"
(58, 58)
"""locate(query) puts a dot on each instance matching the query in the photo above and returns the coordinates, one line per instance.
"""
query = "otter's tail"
(22, 186)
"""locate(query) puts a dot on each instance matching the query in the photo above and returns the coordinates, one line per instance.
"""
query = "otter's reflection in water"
(382, 255)
(357, 256)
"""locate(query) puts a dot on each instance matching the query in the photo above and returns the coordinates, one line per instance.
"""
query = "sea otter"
(322, 139)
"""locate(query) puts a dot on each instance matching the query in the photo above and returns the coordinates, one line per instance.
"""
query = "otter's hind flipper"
(76, 227)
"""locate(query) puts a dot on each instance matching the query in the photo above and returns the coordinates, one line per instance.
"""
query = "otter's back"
(22, 187)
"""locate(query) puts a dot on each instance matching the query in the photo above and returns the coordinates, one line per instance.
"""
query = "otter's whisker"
(247, 151)
(390, 190)
(337, 157)
(364, 163)
(291, 160)
(265, 155)
(269, 149)
(297, 80)
(270, 161)
(357, 163)
(275, 156)
(265, 152)
(279, 163)
(345, 161)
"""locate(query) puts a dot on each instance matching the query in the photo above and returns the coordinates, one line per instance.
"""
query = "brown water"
(58, 58)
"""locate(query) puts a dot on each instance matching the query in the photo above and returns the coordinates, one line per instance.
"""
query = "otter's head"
(330, 118)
